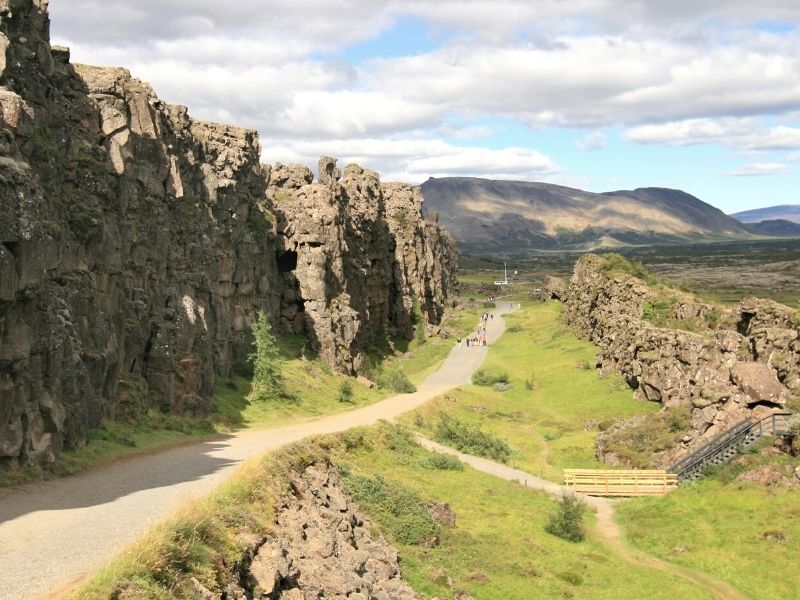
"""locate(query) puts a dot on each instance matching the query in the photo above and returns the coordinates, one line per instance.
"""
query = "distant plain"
(721, 272)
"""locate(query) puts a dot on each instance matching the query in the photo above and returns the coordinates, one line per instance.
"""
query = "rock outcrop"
(355, 256)
(321, 548)
(137, 246)
(723, 375)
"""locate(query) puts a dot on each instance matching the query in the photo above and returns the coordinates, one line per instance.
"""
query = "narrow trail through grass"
(606, 527)
(550, 417)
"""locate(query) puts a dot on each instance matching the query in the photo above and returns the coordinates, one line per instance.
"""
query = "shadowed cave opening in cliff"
(287, 261)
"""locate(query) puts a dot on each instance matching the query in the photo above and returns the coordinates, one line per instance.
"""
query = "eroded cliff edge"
(746, 366)
(137, 246)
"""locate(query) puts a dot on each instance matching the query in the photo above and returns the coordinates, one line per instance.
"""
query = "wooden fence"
(620, 483)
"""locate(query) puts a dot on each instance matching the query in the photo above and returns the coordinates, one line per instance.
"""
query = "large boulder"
(758, 382)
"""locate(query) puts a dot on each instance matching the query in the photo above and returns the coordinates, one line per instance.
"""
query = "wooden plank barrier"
(633, 483)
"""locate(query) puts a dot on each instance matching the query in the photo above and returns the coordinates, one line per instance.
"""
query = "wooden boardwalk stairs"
(717, 451)
(728, 444)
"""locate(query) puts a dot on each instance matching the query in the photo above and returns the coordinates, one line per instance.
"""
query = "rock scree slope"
(321, 548)
(137, 246)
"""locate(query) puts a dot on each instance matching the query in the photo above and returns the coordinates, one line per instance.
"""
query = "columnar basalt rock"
(137, 246)
(723, 375)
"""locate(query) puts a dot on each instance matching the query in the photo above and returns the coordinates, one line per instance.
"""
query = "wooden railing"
(631, 483)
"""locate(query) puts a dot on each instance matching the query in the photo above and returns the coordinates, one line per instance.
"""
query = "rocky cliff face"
(355, 255)
(137, 246)
(724, 376)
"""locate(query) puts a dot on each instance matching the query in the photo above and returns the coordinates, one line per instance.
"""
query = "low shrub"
(567, 521)
(346, 391)
(515, 328)
(467, 438)
(399, 439)
(439, 461)
(488, 379)
(501, 387)
(396, 381)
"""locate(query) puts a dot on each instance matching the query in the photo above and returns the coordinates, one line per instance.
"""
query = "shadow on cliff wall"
(100, 486)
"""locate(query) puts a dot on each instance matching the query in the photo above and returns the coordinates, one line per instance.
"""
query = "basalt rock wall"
(355, 255)
(748, 369)
(137, 246)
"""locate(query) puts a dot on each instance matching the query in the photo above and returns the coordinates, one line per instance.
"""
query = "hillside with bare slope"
(512, 216)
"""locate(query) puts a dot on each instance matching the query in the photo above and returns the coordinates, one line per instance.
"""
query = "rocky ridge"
(747, 368)
(137, 246)
(321, 548)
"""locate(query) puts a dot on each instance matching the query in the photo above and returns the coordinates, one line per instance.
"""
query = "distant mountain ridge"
(778, 227)
(784, 212)
(486, 216)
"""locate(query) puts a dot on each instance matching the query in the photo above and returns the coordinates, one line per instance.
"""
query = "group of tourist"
(479, 339)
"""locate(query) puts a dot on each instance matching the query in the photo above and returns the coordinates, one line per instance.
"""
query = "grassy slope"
(545, 425)
(498, 550)
(722, 524)
(719, 527)
(313, 388)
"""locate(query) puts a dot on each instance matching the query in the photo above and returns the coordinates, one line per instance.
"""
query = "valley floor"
(720, 538)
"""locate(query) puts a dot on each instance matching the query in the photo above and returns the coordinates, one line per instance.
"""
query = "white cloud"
(594, 141)
(743, 133)
(678, 72)
(757, 169)
(415, 160)
(775, 138)
(690, 131)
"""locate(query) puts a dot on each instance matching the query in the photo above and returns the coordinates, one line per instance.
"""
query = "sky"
(601, 95)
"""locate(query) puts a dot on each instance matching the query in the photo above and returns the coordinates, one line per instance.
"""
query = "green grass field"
(550, 414)
(743, 533)
(498, 549)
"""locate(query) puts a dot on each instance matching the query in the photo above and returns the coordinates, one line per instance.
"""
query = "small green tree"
(346, 391)
(567, 521)
(418, 319)
(267, 362)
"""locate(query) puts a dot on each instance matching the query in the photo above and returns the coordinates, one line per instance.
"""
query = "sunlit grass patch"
(550, 414)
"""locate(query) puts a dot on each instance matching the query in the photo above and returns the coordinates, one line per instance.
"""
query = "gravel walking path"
(54, 534)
